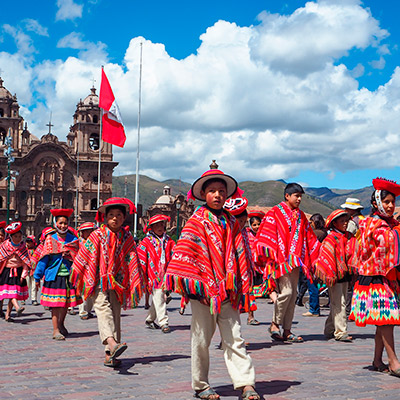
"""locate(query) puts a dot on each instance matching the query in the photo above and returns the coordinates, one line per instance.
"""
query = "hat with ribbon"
(386, 184)
(154, 219)
(14, 227)
(62, 212)
(256, 214)
(333, 215)
(352, 204)
(115, 201)
(231, 184)
(87, 225)
(3, 224)
(236, 205)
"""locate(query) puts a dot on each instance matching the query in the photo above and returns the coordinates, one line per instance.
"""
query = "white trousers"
(31, 282)
(239, 364)
(86, 307)
(158, 308)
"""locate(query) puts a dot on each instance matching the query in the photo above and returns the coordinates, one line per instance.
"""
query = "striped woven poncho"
(338, 256)
(209, 261)
(285, 241)
(110, 260)
(154, 255)
(7, 250)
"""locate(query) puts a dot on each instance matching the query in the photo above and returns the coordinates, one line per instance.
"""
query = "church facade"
(47, 173)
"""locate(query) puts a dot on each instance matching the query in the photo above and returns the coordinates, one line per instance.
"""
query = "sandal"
(118, 350)
(152, 325)
(275, 335)
(250, 393)
(9, 319)
(59, 336)
(206, 394)
(253, 322)
(20, 311)
(165, 329)
(380, 368)
(394, 372)
(112, 363)
(292, 338)
(345, 338)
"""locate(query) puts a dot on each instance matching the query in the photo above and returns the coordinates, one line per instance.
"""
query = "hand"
(37, 285)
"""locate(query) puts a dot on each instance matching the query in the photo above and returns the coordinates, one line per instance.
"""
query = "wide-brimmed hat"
(154, 219)
(352, 204)
(256, 214)
(62, 212)
(14, 227)
(333, 215)
(386, 184)
(115, 201)
(231, 184)
(236, 206)
(87, 225)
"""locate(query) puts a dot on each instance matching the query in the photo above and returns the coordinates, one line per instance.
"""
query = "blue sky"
(265, 87)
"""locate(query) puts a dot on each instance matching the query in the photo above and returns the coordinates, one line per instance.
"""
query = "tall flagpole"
(98, 173)
(138, 142)
(77, 179)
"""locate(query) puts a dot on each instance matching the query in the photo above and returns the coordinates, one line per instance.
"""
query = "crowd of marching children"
(225, 257)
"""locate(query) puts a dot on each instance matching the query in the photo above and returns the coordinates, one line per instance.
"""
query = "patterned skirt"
(11, 287)
(59, 293)
(375, 301)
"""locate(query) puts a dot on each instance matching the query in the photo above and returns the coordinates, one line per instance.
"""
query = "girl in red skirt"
(14, 268)
(376, 292)
(59, 249)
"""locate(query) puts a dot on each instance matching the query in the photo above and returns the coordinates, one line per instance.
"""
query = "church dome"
(4, 93)
(92, 99)
(166, 197)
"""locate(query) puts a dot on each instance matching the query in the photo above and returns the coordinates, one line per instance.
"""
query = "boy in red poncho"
(209, 267)
(285, 242)
(106, 268)
(155, 252)
(336, 262)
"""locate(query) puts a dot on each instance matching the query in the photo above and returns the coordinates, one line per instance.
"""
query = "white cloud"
(88, 50)
(32, 25)
(23, 42)
(265, 101)
(68, 9)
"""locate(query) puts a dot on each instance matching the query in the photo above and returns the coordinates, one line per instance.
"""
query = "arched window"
(94, 141)
(1, 202)
(95, 119)
(23, 195)
(47, 196)
(93, 204)
(1, 112)
(3, 135)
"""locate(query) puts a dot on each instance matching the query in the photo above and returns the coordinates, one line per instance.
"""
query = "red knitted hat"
(115, 201)
(256, 213)
(335, 214)
(14, 227)
(87, 225)
(154, 219)
(236, 206)
(62, 212)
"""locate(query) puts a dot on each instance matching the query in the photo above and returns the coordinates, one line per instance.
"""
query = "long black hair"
(319, 221)
(384, 194)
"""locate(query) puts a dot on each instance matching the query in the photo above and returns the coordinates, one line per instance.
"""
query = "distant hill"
(264, 194)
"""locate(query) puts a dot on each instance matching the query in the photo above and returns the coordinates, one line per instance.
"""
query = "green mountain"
(263, 194)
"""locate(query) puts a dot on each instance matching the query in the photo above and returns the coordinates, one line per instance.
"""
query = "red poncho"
(7, 250)
(285, 241)
(338, 256)
(154, 255)
(209, 261)
(109, 259)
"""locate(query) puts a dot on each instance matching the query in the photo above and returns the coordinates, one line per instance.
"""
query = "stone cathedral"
(47, 173)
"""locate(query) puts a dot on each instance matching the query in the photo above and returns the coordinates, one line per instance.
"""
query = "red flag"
(113, 129)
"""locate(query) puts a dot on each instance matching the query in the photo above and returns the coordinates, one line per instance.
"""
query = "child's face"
(341, 223)
(29, 244)
(16, 238)
(62, 223)
(242, 221)
(114, 219)
(158, 228)
(293, 200)
(215, 195)
(255, 225)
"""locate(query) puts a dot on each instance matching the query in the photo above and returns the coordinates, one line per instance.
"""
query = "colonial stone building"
(48, 173)
(173, 206)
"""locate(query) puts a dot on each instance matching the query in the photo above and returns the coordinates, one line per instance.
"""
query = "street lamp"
(8, 153)
(178, 207)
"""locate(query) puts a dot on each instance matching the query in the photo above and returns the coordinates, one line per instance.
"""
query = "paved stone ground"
(157, 365)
